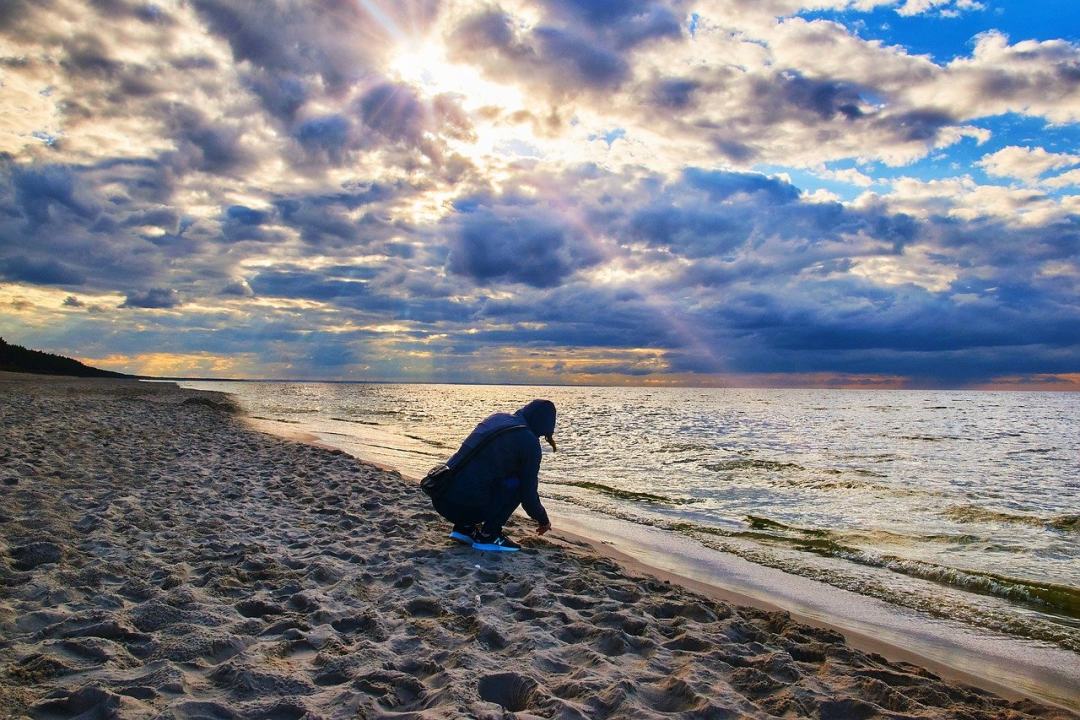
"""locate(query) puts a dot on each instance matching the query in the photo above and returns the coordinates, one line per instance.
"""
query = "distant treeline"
(16, 358)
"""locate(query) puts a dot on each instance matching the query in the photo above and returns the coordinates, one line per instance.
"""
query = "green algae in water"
(629, 494)
(764, 523)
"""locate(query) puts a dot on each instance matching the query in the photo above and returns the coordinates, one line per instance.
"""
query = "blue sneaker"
(494, 543)
(464, 535)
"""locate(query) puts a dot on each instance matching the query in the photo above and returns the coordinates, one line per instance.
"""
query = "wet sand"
(160, 558)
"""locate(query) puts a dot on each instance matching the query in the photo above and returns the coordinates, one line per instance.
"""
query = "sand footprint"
(511, 691)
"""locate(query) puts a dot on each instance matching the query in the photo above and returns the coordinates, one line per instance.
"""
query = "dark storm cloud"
(917, 125)
(515, 241)
(673, 93)
(823, 97)
(388, 116)
(305, 285)
(241, 223)
(906, 331)
(324, 225)
(628, 22)
(98, 226)
(562, 59)
(707, 214)
(394, 111)
(13, 12)
(579, 315)
(282, 93)
(87, 56)
(723, 185)
(205, 145)
(154, 298)
(771, 115)
(361, 291)
(329, 137)
(39, 271)
(41, 190)
(578, 62)
(290, 37)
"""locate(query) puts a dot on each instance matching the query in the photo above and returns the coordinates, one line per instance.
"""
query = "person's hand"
(541, 529)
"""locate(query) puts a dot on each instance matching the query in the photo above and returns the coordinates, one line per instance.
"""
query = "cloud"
(41, 190)
(204, 145)
(558, 60)
(1064, 180)
(39, 271)
(239, 288)
(1032, 77)
(154, 298)
(515, 241)
(947, 8)
(624, 24)
(1025, 163)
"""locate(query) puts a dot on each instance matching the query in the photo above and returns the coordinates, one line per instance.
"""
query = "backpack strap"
(460, 463)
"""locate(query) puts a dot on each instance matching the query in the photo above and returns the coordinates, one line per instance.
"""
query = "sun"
(424, 64)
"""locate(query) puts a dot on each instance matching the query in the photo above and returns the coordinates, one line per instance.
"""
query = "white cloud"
(852, 176)
(1025, 163)
(1066, 179)
(1031, 77)
(962, 198)
(946, 8)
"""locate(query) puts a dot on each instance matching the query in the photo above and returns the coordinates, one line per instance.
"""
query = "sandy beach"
(161, 558)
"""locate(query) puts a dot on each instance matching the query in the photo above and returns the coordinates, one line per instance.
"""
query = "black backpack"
(437, 481)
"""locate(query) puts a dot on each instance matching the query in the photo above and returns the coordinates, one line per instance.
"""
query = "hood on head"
(539, 415)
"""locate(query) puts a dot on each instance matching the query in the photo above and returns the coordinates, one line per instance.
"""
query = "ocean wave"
(974, 513)
(353, 420)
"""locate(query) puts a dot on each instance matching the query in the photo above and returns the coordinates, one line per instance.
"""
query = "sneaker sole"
(461, 538)
(488, 547)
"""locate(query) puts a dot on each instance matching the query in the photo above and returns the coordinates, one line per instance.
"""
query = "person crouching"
(500, 471)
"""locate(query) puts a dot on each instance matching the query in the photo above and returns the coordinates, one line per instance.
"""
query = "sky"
(782, 193)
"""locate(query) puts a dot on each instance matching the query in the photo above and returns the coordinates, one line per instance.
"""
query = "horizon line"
(985, 387)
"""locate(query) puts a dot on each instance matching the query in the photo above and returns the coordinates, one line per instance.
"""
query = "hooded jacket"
(513, 454)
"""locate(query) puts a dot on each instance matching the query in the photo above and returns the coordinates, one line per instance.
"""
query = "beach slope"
(159, 558)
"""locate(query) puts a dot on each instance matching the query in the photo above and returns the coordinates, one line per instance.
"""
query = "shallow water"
(963, 505)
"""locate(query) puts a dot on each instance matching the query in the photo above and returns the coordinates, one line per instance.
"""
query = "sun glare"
(424, 65)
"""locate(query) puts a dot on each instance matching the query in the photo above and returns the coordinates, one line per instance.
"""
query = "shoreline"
(590, 536)
(159, 557)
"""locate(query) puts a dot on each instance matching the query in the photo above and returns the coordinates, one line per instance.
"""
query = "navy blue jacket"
(513, 454)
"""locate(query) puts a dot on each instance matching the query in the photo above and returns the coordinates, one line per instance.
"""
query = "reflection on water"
(960, 504)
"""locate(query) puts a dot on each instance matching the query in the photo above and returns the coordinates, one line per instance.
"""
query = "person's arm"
(530, 496)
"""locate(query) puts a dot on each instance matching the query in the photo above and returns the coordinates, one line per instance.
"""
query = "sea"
(962, 505)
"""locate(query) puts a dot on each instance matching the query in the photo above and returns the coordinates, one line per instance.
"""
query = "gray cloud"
(155, 298)
(561, 60)
(509, 240)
